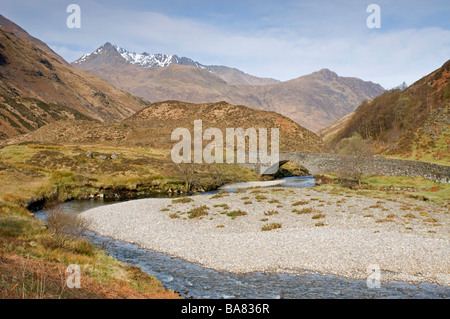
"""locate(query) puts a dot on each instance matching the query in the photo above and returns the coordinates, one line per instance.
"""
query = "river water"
(194, 281)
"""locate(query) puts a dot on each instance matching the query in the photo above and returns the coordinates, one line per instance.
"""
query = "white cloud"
(283, 52)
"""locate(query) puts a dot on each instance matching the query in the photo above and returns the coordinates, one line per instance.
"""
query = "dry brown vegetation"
(29, 278)
(153, 126)
(33, 263)
(39, 87)
(410, 124)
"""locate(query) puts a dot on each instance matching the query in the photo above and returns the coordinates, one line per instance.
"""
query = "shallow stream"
(194, 281)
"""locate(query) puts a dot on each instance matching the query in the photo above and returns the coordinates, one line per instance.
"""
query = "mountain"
(21, 33)
(413, 123)
(37, 87)
(109, 52)
(313, 101)
(153, 125)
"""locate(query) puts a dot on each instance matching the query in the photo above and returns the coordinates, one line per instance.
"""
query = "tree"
(359, 149)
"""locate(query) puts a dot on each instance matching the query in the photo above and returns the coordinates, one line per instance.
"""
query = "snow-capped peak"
(86, 56)
(145, 59)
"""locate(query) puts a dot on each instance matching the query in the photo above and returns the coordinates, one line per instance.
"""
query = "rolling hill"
(152, 127)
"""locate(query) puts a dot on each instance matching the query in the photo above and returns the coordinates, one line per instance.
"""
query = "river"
(194, 281)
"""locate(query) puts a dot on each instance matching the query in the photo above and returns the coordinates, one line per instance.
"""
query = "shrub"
(62, 223)
(198, 211)
(271, 212)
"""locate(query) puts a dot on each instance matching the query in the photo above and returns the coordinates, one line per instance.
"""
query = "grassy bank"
(33, 265)
(389, 187)
(33, 261)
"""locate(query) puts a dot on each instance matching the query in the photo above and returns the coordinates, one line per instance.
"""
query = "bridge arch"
(322, 163)
(273, 169)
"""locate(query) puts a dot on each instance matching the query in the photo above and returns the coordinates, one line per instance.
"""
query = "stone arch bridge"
(322, 163)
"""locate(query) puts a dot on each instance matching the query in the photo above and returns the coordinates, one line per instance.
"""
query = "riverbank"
(288, 230)
(34, 176)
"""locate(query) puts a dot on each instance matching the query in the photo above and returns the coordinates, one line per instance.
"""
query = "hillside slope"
(333, 129)
(152, 127)
(413, 123)
(37, 87)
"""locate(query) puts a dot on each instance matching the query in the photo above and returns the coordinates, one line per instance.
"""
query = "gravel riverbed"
(344, 235)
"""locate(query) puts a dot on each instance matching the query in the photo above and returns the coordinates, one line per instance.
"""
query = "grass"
(301, 202)
(260, 197)
(393, 188)
(66, 173)
(224, 206)
(306, 210)
(271, 212)
(318, 216)
(34, 261)
(220, 194)
(198, 212)
(236, 213)
(182, 200)
(33, 258)
(271, 226)
(319, 224)
(385, 220)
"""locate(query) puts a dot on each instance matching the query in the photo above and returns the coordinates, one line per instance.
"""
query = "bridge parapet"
(322, 163)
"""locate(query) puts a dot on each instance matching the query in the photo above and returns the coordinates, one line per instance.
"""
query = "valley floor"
(287, 230)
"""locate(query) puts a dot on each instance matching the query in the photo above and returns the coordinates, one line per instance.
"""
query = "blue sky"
(278, 39)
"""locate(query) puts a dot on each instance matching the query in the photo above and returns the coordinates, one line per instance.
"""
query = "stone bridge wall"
(321, 163)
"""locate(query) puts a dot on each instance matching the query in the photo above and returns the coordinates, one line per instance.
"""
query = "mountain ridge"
(314, 101)
(148, 60)
(37, 87)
